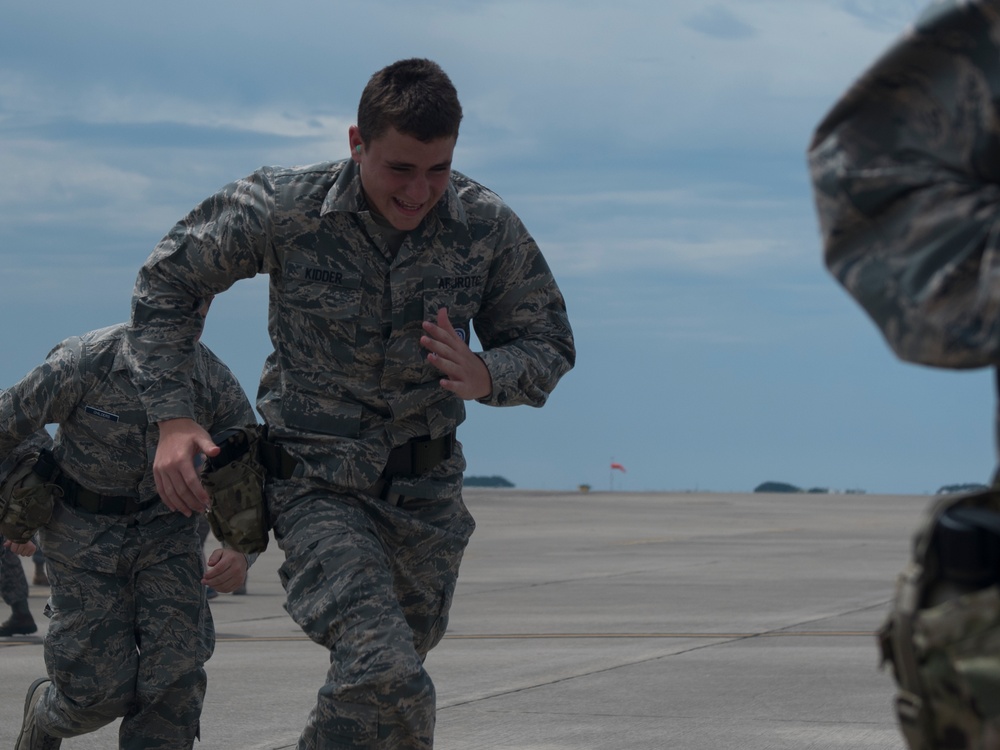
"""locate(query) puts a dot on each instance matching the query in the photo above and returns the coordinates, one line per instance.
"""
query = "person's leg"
(336, 575)
(14, 592)
(176, 637)
(90, 651)
(429, 537)
(343, 591)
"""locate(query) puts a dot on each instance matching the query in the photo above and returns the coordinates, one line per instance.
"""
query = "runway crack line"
(715, 638)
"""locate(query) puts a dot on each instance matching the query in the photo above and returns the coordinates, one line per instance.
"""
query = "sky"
(655, 150)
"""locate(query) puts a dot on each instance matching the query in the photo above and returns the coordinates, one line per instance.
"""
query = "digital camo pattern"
(129, 644)
(382, 619)
(13, 582)
(105, 441)
(118, 582)
(347, 380)
(906, 172)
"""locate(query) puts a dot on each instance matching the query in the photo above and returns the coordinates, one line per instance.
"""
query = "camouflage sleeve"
(46, 395)
(224, 239)
(523, 326)
(232, 408)
(906, 177)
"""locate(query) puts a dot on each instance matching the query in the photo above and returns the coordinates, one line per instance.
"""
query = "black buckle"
(277, 462)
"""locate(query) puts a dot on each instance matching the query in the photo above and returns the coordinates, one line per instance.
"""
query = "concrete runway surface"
(694, 621)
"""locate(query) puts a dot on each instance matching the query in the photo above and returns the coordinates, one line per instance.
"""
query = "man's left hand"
(465, 374)
(24, 549)
(227, 570)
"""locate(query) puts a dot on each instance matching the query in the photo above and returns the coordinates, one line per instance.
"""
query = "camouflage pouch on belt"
(26, 496)
(942, 637)
(235, 480)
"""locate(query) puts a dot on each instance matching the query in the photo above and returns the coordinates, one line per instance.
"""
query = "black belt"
(80, 497)
(92, 502)
(418, 456)
(413, 458)
(278, 463)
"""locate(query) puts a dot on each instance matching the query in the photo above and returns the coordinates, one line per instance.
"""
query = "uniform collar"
(347, 196)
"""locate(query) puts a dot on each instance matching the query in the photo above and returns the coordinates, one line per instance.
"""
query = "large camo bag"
(27, 488)
(942, 635)
(235, 481)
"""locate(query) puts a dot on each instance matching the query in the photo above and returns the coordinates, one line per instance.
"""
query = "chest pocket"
(323, 308)
(461, 294)
(103, 430)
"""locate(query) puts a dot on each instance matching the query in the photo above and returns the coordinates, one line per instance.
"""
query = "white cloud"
(644, 77)
(883, 15)
(32, 99)
(716, 229)
(580, 112)
(532, 71)
(54, 183)
(719, 21)
(715, 256)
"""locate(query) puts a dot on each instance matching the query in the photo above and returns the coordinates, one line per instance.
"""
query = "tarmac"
(695, 621)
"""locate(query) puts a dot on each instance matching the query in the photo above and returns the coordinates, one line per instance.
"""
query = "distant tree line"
(946, 489)
(494, 481)
(786, 487)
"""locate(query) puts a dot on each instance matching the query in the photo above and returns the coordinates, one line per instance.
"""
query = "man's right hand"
(182, 442)
(24, 549)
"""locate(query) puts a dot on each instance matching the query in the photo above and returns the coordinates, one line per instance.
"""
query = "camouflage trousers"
(13, 583)
(130, 628)
(372, 582)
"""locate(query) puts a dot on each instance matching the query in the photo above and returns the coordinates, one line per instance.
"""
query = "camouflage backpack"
(942, 636)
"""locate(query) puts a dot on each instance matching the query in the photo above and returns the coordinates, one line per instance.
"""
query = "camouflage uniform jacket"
(347, 380)
(906, 171)
(104, 441)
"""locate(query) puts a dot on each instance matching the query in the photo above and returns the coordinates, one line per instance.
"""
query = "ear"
(354, 141)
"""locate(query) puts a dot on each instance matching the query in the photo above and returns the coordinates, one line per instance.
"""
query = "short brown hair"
(415, 97)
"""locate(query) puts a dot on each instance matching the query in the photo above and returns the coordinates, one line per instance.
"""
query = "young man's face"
(403, 178)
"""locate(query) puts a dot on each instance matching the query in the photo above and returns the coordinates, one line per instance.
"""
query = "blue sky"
(656, 150)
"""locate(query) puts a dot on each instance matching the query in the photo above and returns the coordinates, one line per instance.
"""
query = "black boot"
(20, 622)
(31, 737)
